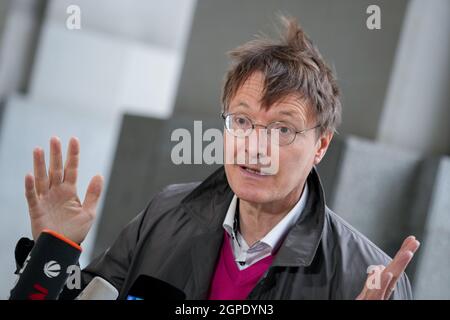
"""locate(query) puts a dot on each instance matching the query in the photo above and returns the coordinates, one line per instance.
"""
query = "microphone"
(150, 288)
(45, 270)
(98, 289)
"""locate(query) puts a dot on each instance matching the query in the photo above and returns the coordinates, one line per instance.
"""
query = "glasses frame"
(225, 115)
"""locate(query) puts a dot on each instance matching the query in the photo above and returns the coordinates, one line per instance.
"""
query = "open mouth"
(254, 170)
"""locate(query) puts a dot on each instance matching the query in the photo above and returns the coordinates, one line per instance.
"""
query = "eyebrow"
(281, 112)
(243, 104)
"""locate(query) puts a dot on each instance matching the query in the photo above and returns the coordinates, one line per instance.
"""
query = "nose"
(257, 146)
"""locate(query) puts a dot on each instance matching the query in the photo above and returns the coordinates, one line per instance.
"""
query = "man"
(243, 232)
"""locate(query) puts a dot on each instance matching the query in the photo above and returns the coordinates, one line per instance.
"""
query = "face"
(295, 160)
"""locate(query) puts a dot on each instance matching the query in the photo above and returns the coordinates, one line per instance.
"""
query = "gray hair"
(291, 65)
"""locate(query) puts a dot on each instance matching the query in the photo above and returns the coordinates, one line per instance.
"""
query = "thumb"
(93, 193)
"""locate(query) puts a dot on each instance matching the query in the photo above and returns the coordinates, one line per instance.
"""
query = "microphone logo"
(52, 269)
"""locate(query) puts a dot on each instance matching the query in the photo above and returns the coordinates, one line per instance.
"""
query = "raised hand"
(390, 274)
(52, 199)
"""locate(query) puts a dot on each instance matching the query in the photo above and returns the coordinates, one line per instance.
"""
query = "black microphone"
(45, 271)
(149, 288)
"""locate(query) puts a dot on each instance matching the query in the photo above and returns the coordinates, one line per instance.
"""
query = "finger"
(30, 192)
(55, 171)
(380, 293)
(407, 242)
(93, 194)
(374, 287)
(401, 261)
(392, 272)
(40, 171)
(386, 289)
(410, 244)
(72, 160)
(398, 268)
(402, 258)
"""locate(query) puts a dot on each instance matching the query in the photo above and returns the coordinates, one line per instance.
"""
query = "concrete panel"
(97, 70)
(432, 274)
(416, 111)
(20, 24)
(162, 23)
(371, 187)
(142, 167)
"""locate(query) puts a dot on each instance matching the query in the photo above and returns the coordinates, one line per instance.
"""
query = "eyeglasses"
(242, 126)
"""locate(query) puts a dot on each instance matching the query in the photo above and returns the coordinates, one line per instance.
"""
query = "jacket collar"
(209, 202)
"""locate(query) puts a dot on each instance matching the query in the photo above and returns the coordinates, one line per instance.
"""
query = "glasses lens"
(238, 125)
(241, 126)
(286, 134)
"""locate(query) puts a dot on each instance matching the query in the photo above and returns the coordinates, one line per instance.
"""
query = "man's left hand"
(389, 275)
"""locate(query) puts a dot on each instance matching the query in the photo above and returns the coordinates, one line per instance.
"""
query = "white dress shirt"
(244, 255)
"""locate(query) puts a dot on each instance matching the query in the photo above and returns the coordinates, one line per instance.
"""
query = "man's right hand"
(52, 199)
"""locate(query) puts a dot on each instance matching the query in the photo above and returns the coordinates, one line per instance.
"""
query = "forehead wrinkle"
(251, 94)
(293, 107)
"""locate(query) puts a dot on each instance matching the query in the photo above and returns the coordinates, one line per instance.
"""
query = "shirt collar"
(229, 224)
(208, 203)
(275, 236)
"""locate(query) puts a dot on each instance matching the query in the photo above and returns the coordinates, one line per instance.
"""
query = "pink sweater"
(230, 283)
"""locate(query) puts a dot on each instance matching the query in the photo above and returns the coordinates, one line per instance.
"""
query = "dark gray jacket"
(178, 236)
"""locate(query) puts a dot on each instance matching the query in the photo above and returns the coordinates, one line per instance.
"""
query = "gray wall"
(4, 6)
(375, 174)
(20, 25)
(142, 167)
(219, 26)
(417, 109)
(363, 58)
(105, 68)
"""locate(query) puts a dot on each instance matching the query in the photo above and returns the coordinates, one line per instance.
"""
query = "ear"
(322, 145)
